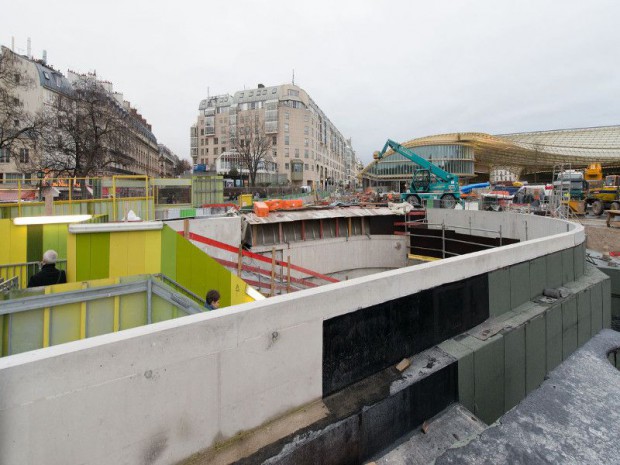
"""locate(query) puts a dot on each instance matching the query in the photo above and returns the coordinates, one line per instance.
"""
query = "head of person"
(49, 257)
(213, 298)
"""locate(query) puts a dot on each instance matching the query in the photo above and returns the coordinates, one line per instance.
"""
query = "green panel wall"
(55, 238)
(26, 331)
(535, 353)
(162, 310)
(569, 327)
(92, 256)
(100, 317)
(132, 310)
(35, 243)
(65, 323)
(554, 336)
(169, 239)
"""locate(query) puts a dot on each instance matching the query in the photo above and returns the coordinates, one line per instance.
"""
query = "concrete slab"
(571, 418)
(455, 423)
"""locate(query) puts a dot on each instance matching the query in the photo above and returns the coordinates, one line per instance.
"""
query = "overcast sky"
(378, 69)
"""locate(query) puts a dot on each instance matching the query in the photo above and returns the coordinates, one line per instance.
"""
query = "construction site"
(431, 324)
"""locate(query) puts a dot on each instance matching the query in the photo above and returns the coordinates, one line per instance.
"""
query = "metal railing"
(445, 240)
(24, 271)
(108, 299)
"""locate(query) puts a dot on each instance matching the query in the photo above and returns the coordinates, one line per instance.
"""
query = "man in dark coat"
(49, 274)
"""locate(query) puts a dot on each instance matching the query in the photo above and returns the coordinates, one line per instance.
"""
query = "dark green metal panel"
(584, 318)
(34, 252)
(538, 276)
(553, 329)
(596, 307)
(569, 327)
(579, 260)
(514, 355)
(519, 284)
(536, 357)
(554, 269)
(568, 263)
(499, 292)
(606, 303)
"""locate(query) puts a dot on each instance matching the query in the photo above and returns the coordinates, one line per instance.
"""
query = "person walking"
(49, 274)
(213, 300)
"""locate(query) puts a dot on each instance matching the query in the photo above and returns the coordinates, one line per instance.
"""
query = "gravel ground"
(598, 236)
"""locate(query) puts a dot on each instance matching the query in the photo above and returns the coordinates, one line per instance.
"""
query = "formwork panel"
(553, 328)
(499, 292)
(569, 327)
(65, 323)
(584, 318)
(133, 310)
(519, 284)
(514, 360)
(538, 276)
(535, 353)
(162, 310)
(554, 270)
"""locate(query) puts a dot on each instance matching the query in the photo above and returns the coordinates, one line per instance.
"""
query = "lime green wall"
(92, 256)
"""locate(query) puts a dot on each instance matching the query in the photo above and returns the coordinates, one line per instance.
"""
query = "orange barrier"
(261, 209)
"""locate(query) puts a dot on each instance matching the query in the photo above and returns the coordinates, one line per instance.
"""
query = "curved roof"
(534, 151)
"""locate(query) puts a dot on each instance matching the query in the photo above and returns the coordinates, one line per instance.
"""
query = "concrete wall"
(222, 229)
(334, 255)
(158, 394)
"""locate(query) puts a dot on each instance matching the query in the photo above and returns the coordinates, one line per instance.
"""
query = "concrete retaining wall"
(158, 394)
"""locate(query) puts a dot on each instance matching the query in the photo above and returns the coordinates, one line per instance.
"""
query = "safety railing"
(422, 224)
(24, 271)
(30, 322)
(180, 289)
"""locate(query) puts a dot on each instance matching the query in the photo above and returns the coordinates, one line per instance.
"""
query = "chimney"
(44, 57)
(28, 49)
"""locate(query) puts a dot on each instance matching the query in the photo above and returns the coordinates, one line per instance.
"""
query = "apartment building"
(167, 161)
(142, 154)
(305, 147)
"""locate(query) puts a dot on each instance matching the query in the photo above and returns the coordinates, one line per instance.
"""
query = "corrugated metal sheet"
(287, 216)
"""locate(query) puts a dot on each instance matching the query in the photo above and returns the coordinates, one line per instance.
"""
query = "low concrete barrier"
(160, 393)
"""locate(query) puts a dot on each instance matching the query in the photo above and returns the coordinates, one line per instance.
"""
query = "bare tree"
(18, 127)
(181, 166)
(89, 133)
(252, 145)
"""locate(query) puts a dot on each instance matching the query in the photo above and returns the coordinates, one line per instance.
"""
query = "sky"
(378, 69)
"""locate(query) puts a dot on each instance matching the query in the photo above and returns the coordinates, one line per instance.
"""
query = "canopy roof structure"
(530, 151)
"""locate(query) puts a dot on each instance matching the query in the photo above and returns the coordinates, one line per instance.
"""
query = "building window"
(306, 118)
(286, 115)
(274, 140)
(215, 150)
(286, 166)
(306, 153)
(215, 141)
(24, 155)
(297, 153)
(306, 130)
(286, 140)
(286, 154)
(306, 142)
(206, 151)
(223, 149)
(306, 166)
(294, 93)
(285, 127)
(5, 155)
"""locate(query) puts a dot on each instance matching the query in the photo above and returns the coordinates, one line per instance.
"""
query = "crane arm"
(417, 159)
